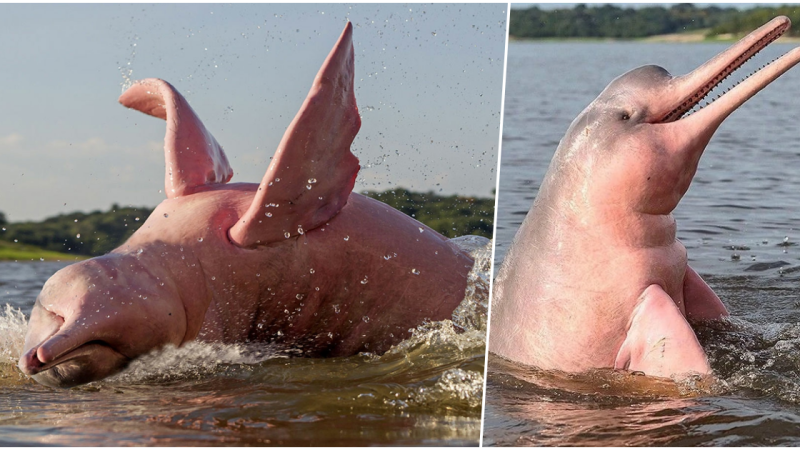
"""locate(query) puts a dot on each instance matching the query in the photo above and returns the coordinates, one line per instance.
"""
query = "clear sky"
(428, 85)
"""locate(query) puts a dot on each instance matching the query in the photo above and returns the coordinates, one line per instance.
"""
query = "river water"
(739, 222)
(426, 390)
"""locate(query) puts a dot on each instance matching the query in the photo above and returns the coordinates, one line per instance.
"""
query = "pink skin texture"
(298, 260)
(595, 277)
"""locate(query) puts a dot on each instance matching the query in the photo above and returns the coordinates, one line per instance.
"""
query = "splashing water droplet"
(199, 239)
(312, 180)
(312, 271)
(269, 214)
(421, 229)
(415, 271)
(336, 309)
(365, 319)
(347, 238)
(287, 235)
(78, 235)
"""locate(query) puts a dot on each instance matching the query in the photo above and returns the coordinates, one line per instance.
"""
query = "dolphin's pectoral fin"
(193, 156)
(313, 172)
(700, 301)
(659, 341)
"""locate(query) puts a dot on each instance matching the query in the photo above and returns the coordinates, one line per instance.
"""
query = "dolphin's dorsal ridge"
(193, 157)
(313, 171)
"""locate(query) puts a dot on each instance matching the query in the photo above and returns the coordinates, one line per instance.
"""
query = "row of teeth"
(687, 108)
(695, 108)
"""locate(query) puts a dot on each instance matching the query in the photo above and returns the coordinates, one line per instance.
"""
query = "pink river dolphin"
(298, 259)
(595, 277)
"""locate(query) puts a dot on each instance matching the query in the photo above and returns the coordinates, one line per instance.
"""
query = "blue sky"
(428, 84)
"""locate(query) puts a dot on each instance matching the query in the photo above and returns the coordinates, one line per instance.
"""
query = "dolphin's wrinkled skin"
(297, 259)
(595, 277)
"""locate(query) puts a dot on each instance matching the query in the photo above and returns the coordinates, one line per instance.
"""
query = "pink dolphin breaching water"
(297, 259)
(595, 277)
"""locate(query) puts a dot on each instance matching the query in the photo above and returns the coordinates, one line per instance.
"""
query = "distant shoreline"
(680, 38)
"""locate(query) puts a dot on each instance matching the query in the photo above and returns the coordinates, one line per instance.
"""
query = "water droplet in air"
(78, 235)
(269, 214)
(287, 235)
(365, 319)
(312, 180)
(364, 281)
(136, 219)
(415, 271)
(347, 238)
(300, 230)
(312, 270)
(421, 229)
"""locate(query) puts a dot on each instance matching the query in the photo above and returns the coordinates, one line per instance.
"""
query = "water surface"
(738, 222)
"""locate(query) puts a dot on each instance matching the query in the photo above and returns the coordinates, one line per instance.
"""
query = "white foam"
(13, 325)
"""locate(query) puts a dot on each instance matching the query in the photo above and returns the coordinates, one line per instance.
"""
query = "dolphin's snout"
(29, 362)
(43, 325)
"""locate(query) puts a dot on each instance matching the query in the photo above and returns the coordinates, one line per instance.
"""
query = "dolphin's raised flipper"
(313, 171)
(193, 156)
(659, 341)
(700, 301)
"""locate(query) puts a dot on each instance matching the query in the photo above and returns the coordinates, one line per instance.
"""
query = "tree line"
(98, 232)
(609, 21)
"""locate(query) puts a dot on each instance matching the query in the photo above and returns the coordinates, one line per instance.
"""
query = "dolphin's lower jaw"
(90, 362)
(703, 80)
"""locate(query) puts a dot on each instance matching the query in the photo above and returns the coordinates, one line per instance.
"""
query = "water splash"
(472, 313)
(193, 360)
(12, 334)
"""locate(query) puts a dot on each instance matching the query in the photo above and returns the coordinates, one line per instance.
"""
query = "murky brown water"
(427, 390)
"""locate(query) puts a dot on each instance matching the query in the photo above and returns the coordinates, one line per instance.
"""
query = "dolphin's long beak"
(693, 87)
(59, 354)
(44, 325)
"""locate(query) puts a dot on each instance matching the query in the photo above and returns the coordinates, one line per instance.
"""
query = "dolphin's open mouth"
(704, 79)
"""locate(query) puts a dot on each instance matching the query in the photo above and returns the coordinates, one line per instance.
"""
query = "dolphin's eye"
(625, 116)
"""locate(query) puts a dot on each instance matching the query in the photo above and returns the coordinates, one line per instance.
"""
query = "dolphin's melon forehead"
(645, 77)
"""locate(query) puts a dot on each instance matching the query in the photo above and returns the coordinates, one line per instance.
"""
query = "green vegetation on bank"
(12, 251)
(451, 216)
(609, 21)
(97, 232)
(78, 233)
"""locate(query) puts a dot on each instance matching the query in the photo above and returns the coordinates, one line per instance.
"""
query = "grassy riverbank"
(13, 251)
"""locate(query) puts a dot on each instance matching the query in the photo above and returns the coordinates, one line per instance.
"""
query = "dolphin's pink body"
(297, 259)
(595, 277)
